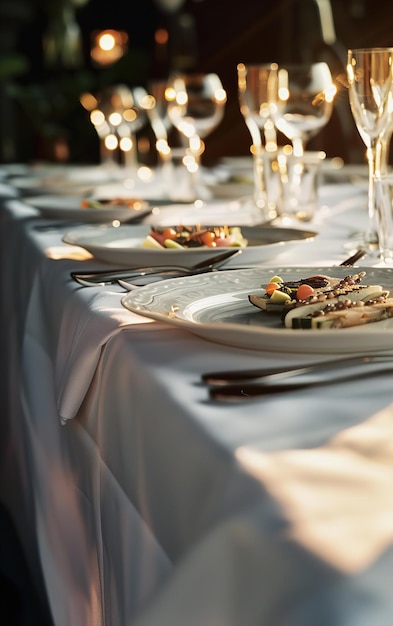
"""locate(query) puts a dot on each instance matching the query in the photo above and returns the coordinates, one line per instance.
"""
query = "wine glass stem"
(107, 157)
(198, 190)
(298, 146)
(131, 156)
(194, 176)
(382, 156)
(377, 163)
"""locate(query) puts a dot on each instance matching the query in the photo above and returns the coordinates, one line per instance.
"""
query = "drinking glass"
(255, 81)
(117, 113)
(301, 101)
(169, 143)
(196, 106)
(159, 119)
(370, 80)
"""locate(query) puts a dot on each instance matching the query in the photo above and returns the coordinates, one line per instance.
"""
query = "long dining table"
(141, 501)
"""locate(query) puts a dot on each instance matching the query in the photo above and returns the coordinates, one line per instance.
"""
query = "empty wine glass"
(301, 101)
(117, 113)
(369, 73)
(159, 119)
(169, 143)
(255, 82)
(196, 106)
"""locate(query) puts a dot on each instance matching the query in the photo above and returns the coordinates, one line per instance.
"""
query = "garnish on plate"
(132, 203)
(194, 237)
(320, 301)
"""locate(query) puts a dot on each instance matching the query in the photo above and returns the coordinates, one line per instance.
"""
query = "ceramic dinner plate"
(63, 179)
(123, 245)
(216, 307)
(64, 207)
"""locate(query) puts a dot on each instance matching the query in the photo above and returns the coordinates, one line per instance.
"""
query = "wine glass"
(196, 106)
(254, 85)
(301, 101)
(370, 81)
(117, 113)
(169, 143)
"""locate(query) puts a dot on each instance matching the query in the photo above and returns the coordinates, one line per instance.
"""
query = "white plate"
(64, 179)
(123, 245)
(64, 207)
(216, 307)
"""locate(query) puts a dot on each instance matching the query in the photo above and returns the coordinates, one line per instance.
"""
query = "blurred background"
(50, 55)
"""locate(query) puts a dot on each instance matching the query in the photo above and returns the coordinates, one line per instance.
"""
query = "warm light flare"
(181, 98)
(220, 96)
(111, 142)
(126, 144)
(196, 144)
(190, 163)
(170, 94)
(97, 117)
(330, 93)
(130, 115)
(161, 36)
(283, 93)
(145, 173)
(88, 101)
(163, 147)
(108, 46)
(186, 128)
(115, 119)
(148, 102)
(106, 41)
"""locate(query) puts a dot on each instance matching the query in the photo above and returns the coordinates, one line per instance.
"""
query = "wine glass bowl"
(255, 82)
(195, 106)
(369, 75)
(370, 84)
(301, 101)
(196, 103)
(117, 113)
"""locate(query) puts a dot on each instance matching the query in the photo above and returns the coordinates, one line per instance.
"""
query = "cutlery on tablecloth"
(55, 224)
(231, 386)
(283, 373)
(101, 278)
(350, 262)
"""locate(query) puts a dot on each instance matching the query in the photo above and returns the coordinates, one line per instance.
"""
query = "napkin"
(73, 328)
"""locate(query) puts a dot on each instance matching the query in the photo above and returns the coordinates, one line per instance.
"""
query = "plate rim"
(75, 237)
(92, 216)
(215, 331)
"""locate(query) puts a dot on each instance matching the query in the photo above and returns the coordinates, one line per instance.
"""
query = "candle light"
(108, 46)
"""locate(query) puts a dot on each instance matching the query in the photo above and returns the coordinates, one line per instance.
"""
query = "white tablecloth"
(150, 505)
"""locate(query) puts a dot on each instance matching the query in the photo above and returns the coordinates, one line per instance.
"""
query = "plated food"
(216, 306)
(89, 211)
(322, 302)
(183, 237)
(124, 245)
(95, 203)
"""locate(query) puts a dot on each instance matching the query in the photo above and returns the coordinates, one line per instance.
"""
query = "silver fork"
(105, 277)
(246, 385)
(350, 262)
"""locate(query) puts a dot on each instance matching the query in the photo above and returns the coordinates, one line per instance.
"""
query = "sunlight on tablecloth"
(337, 498)
(68, 252)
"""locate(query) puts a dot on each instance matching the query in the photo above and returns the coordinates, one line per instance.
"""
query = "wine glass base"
(366, 240)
